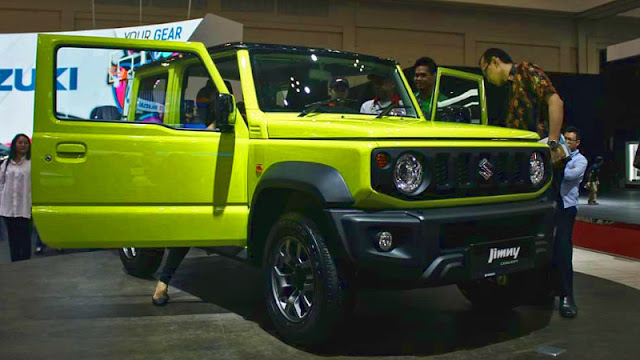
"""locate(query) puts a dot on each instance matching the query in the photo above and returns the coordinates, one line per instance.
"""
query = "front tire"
(304, 291)
(140, 262)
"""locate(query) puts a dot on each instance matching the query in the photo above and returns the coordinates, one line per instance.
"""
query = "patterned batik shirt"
(529, 90)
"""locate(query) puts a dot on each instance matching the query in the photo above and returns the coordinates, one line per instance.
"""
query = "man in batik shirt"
(534, 103)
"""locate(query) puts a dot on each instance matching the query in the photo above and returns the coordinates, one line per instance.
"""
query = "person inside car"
(385, 89)
(338, 89)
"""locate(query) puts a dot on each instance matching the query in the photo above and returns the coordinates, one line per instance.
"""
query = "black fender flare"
(321, 180)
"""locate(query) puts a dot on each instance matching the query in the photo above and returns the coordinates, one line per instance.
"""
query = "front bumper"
(448, 245)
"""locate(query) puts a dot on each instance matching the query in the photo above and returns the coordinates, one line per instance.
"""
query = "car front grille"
(458, 172)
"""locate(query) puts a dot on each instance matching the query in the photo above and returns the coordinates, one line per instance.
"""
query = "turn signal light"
(382, 160)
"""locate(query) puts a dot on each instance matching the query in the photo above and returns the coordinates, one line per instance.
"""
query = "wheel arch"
(295, 186)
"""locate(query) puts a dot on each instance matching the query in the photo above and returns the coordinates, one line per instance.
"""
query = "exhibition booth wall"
(621, 128)
(17, 68)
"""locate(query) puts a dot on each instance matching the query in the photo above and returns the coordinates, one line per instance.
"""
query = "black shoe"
(161, 301)
(568, 308)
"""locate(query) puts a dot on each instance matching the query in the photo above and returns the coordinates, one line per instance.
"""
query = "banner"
(17, 70)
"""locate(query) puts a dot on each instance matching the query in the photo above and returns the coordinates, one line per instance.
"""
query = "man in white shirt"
(386, 95)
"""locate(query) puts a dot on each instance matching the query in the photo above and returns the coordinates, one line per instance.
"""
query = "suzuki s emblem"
(485, 169)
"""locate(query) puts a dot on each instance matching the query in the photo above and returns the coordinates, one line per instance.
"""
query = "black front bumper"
(448, 245)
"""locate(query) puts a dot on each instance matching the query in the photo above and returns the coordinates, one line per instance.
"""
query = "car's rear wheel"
(510, 290)
(305, 294)
(140, 262)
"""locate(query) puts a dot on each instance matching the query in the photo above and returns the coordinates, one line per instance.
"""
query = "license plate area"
(501, 257)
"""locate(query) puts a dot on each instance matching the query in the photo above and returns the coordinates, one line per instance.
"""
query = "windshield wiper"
(313, 107)
(336, 104)
(388, 109)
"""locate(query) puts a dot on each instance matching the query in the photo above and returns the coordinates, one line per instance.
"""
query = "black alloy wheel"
(304, 292)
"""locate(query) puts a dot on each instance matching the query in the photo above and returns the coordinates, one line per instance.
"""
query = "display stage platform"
(617, 206)
(612, 226)
(82, 306)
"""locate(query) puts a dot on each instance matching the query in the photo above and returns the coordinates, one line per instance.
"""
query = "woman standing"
(15, 197)
(174, 258)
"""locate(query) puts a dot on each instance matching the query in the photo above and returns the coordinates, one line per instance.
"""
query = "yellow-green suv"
(315, 164)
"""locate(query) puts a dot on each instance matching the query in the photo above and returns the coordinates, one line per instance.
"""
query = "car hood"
(386, 128)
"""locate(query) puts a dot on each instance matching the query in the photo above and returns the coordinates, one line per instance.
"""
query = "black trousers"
(563, 248)
(175, 255)
(19, 232)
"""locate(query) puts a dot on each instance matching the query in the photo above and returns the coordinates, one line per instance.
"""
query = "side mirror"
(224, 112)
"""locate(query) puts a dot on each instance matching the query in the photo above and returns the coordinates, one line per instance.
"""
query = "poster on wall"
(17, 68)
(633, 174)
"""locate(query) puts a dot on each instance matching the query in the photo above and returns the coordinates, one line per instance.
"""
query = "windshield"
(329, 82)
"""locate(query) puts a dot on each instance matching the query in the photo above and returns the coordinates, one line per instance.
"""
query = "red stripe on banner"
(620, 239)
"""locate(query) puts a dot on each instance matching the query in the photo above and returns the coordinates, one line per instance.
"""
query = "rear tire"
(140, 262)
(305, 294)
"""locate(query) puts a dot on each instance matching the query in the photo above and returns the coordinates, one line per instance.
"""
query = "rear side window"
(122, 85)
(150, 103)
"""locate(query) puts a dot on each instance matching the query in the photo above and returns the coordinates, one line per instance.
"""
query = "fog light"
(385, 241)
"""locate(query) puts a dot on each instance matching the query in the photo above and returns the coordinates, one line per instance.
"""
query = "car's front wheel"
(139, 261)
(304, 291)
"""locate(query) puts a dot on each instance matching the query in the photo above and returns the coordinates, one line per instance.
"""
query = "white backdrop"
(17, 70)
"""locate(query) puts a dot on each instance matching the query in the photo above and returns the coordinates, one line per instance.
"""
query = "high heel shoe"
(161, 301)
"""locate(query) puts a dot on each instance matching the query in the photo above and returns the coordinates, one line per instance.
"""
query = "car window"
(328, 82)
(150, 102)
(459, 101)
(228, 68)
(198, 97)
(117, 85)
(198, 87)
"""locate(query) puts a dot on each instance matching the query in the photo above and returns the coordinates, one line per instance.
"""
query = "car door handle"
(71, 150)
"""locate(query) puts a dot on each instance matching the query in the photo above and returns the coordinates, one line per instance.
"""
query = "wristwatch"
(553, 144)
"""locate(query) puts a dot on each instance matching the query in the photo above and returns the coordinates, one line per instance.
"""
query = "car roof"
(272, 48)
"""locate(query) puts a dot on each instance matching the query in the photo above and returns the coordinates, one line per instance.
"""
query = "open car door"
(116, 158)
(459, 97)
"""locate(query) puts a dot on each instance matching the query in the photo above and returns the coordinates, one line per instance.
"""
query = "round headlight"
(536, 169)
(407, 174)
